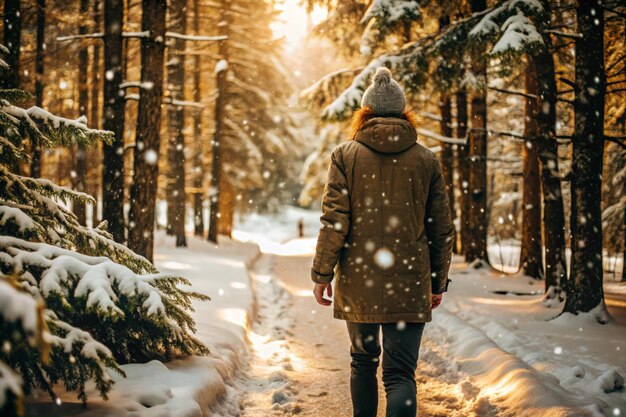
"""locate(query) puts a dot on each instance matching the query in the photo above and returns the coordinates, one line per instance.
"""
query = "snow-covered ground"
(186, 387)
(487, 352)
(523, 360)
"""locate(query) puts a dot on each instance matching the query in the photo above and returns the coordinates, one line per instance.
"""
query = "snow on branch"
(145, 85)
(110, 292)
(142, 34)
(98, 35)
(350, 99)
(175, 35)
(510, 26)
(182, 103)
(441, 138)
(564, 34)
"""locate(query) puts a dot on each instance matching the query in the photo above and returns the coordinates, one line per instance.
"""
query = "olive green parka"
(386, 232)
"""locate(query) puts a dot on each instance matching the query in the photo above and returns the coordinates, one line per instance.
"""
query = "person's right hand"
(319, 290)
(436, 300)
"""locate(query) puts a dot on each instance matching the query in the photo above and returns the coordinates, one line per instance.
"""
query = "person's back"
(388, 230)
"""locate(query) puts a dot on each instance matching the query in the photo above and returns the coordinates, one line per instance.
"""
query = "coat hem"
(414, 317)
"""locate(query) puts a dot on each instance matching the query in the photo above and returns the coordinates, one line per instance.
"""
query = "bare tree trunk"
(12, 40)
(531, 256)
(220, 114)
(80, 168)
(447, 153)
(96, 81)
(146, 158)
(227, 208)
(584, 290)
(96, 112)
(462, 155)
(114, 115)
(176, 196)
(477, 247)
(197, 135)
(553, 209)
(624, 257)
(35, 161)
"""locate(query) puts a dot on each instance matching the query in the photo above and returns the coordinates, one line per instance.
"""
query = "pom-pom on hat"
(384, 95)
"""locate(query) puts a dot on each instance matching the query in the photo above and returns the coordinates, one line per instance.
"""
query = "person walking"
(386, 240)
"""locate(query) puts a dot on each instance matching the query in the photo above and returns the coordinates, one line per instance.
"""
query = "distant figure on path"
(387, 228)
(301, 228)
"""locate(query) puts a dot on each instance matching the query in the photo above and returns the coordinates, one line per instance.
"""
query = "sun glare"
(292, 22)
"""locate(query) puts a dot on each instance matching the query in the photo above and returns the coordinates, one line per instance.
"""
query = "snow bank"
(497, 329)
(189, 386)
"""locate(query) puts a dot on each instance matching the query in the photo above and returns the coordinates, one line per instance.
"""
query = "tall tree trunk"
(447, 153)
(462, 155)
(477, 247)
(80, 168)
(12, 40)
(95, 111)
(176, 196)
(227, 207)
(146, 158)
(624, 256)
(531, 257)
(553, 210)
(35, 161)
(220, 114)
(94, 117)
(584, 290)
(114, 115)
(197, 135)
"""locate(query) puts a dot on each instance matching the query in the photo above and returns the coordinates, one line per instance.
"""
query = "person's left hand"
(436, 300)
(318, 291)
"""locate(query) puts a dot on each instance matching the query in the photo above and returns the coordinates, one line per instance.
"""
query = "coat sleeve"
(439, 230)
(335, 221)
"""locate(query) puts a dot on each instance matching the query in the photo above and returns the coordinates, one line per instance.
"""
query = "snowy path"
(300, 360)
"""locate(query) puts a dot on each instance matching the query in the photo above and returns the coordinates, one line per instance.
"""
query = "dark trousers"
(401, 344)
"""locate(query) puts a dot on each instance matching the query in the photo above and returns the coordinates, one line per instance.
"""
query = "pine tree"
(80, 168)
(35, 164)
(198, 166)
(103, 304)
(143, 189)
(256, 127)
(114, 116)
(176, 196)
(22, 329)
(585, 291)
(531, 257)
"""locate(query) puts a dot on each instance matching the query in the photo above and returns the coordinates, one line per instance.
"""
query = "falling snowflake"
(384, 258)
(151, 157)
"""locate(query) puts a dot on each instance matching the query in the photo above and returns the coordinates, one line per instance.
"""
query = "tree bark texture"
(531, 253)
(584, 290)
(35, 161)
(114, 115)
(462, 155)
(220, 114)
(176, 196)
(80, 169)
(146, 156)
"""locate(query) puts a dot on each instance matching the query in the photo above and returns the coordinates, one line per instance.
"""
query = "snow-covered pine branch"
(511, 26)
(384, 17)
(136, 316)
(350, 99)
(21, 325)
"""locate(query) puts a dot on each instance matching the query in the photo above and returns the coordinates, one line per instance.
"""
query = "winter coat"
(386, 232)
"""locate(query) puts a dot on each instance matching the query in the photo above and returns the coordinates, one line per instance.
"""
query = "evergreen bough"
(100, 303)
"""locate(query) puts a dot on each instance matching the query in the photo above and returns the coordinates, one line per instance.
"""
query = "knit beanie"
(384, 95)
